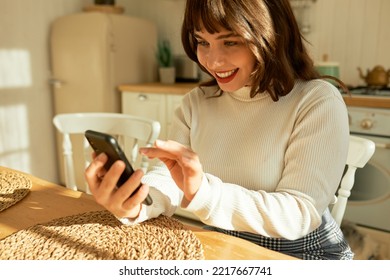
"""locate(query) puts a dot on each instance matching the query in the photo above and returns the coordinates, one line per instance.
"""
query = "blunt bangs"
(208, 14)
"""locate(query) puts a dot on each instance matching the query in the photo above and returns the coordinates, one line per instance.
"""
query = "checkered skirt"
(327, 242)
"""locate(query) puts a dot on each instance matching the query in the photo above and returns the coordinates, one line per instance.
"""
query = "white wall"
(355, 33)
(352, 32)
(26, 131)
(167, 14)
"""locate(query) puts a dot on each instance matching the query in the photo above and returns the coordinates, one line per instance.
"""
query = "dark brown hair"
(272, 34)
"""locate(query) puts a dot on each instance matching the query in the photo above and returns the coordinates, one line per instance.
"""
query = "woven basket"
(100, 236)
(13, 188)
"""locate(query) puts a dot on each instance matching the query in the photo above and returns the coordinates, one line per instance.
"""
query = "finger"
(110, 180)
(130, 196)
(165, 149)
(172, 147)
(92, 171)
(138, 197)
(130, 186)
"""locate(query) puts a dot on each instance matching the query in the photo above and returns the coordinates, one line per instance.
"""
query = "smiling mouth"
(227, 74)
(226, 77)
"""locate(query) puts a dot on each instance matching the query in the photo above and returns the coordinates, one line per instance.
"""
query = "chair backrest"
(359, 153)
(130, 131)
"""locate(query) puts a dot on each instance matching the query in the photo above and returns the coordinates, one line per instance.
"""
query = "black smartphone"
(105, 143)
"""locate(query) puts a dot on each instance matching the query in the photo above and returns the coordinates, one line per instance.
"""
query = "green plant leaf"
(164, 54)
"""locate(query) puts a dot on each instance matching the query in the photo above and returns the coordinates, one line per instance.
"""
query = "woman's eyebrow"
(222, 36)
(197, 36)
(227, 35)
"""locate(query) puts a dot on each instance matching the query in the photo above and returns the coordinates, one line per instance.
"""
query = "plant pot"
(167, 75)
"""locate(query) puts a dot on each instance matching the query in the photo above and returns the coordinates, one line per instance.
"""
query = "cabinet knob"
(366, 124)
(142, 97)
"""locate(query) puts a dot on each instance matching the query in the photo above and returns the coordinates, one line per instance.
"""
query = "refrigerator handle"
(56, 83)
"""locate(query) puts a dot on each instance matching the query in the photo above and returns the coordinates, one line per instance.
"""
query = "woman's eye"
(203, 43)
(230, 43)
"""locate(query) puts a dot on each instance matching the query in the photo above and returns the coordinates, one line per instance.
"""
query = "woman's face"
(227, 57)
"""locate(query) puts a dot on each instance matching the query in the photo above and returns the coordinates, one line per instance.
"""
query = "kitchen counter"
(177, 88)
(183, 88)
(367, 101)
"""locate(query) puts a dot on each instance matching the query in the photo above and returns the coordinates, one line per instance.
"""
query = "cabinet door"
(173, 101)
(148, 105)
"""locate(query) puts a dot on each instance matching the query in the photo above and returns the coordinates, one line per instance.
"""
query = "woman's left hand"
(182, 163)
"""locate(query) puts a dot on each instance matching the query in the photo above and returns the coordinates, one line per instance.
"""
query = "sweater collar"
(243, 94)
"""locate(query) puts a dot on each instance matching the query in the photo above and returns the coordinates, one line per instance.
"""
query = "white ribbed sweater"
(270, 168)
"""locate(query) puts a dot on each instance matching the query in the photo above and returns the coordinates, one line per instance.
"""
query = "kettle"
(377, 77)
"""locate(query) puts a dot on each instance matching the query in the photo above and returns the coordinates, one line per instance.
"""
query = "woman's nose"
(215, 58)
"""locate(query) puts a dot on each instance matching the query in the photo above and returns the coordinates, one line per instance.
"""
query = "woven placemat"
(100, 236)
(13, 188)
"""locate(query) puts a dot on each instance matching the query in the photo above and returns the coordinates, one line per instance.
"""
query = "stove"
(370, 91)
(370, 195)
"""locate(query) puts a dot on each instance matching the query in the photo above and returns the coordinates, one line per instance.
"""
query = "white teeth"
(225, 74)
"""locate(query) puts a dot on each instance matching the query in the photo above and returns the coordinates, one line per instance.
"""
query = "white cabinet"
(173, 101)
(157, 106)
(155, 101)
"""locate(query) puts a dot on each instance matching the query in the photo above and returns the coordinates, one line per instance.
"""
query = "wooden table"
(47, 201)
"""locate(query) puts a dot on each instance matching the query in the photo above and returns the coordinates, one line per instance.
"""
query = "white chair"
(359, 153)
(130, 131)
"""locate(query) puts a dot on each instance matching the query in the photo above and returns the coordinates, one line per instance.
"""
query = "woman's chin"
(229, 87)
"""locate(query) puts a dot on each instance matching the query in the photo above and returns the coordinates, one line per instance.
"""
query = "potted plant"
(165, 62)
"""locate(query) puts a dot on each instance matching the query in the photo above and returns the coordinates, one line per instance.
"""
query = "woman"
(259, 151)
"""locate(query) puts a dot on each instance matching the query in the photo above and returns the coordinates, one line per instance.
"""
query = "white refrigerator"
(92, 53)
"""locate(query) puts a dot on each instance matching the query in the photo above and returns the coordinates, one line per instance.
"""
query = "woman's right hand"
(102, 184)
